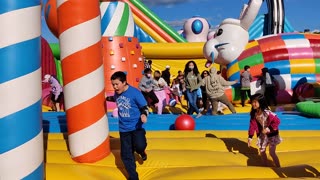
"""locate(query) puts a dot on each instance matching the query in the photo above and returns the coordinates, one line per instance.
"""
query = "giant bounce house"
(98, 38)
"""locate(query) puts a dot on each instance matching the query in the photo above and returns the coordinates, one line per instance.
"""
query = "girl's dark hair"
(205, 71)
(157, 71)
(195, 69)
(121, 76)
(262, 102)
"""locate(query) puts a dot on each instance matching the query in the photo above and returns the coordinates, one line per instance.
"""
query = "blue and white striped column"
(21, 135)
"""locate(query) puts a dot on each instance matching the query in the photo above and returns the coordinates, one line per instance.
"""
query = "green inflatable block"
(309, 108)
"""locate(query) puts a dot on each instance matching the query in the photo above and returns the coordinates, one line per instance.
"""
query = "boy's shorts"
(58, 99)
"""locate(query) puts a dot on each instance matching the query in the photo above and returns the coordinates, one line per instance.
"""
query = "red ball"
(184, 122)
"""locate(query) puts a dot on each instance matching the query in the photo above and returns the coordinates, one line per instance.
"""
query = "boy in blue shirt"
(133, 112)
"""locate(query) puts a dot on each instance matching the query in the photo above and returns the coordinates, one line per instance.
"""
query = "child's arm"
(252, 128)
(110, 98)
(274, 123)
(144, 113)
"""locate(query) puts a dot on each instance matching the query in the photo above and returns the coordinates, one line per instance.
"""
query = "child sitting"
(175, 90)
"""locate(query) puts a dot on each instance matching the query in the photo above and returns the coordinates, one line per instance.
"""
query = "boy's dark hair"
(264, 70)
(147, 70)
(246, 67)
(121, 76)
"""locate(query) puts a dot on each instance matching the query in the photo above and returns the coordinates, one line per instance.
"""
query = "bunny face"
(227, 43)
(232, 36)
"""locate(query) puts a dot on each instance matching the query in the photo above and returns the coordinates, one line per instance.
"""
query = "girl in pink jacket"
(265, 124)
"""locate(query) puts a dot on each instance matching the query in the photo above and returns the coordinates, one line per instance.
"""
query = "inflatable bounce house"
(98, 38)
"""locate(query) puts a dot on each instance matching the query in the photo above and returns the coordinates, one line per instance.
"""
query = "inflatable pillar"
(21, 149)
(80, 43)
(121, 51)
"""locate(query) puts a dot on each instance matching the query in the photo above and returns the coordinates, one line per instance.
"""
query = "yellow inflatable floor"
(192, 155)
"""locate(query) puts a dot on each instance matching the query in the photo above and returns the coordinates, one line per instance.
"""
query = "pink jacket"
(273, 123)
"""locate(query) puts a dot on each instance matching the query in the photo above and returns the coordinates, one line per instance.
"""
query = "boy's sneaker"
(144, 156)
(220, 113)
(199, 115)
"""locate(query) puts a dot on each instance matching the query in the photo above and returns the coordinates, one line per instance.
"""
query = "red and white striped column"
(82, 66)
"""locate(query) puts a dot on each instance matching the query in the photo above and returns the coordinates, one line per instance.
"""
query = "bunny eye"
(219, 32)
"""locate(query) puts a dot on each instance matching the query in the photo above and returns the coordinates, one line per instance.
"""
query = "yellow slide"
(176, 55)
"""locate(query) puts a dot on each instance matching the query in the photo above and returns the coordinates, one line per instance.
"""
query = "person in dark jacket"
(270, 91)
(166, 75)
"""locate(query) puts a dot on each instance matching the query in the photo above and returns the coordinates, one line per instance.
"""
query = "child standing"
(56, 91)
(266, 125)
(192, 80)
(176, 91)
(132, 112)
(159, 90)
(245, 81)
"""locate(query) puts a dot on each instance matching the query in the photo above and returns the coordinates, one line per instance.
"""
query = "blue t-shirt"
(129, 104)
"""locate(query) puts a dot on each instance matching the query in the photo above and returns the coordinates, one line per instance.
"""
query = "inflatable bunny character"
(230, 39)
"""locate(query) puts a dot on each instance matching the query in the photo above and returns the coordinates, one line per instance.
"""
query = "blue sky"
(301, 14)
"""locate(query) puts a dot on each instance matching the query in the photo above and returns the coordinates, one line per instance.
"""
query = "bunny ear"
(243, 10)
(249, 13)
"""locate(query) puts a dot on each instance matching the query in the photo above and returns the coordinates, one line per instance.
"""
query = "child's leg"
(57, 105)
(153, 97)
(168, 94)
(53, 106)
(214, 104)
(53, 102)
(140, 140)
(161, 95)
(272, 152)
(224, 99)
(159, 104)
(243, 96)
(127, 154)
(263, 155)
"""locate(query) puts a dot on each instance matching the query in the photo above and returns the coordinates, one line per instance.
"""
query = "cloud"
(177, 24)
(163, 2)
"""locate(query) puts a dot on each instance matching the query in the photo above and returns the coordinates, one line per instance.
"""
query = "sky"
(301, 14)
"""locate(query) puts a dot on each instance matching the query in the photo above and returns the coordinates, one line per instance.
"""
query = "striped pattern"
(116, 19)
(21, 150)
(82, 66)
(150, 23)
(294, 56)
